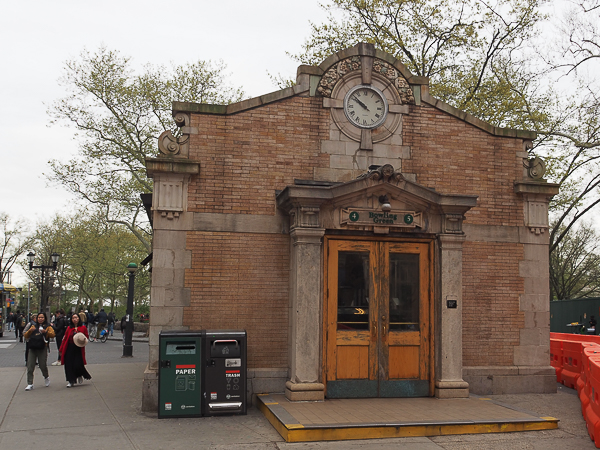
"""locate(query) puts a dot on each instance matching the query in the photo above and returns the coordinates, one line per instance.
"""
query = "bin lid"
(220, 334)
(181, 333)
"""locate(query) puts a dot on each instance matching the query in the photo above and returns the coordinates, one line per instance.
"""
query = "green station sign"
(366, 217)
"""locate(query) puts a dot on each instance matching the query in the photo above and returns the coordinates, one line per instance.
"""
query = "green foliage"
(14, 242)
(92, 268)
(575, 265)
(467, 48)
(119, 115)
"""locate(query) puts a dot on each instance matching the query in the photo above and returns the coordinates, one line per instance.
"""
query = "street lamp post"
(127, 344)
(55, 257)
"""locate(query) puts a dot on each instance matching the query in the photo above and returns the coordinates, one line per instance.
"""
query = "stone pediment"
(381, 200)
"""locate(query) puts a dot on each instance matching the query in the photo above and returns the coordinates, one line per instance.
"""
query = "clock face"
(365, 106)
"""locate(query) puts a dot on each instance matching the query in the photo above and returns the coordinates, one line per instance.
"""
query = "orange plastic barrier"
(591, 351)
(575, 337)
(556, 357)
(571, 366)
(592, 412)
(580, 368)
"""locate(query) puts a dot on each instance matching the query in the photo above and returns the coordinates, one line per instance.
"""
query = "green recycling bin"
(180, 374)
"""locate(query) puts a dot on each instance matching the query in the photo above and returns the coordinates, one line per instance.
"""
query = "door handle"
(374, 331)
(383, 323)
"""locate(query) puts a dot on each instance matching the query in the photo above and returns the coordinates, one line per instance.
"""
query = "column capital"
(307, 236)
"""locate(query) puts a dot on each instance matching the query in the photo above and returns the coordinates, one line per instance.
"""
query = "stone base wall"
(497, 380)
(260, 381)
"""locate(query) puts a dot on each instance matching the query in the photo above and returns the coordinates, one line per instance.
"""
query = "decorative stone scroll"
(172, 145)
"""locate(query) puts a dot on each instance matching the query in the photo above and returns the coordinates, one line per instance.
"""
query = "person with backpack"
(38, 334)
(101, 319)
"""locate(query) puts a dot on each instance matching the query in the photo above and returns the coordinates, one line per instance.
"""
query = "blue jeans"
(111, 328)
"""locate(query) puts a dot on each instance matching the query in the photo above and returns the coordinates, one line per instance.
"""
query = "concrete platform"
(376, 418)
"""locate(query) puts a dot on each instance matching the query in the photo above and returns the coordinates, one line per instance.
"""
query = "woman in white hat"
(72, 352)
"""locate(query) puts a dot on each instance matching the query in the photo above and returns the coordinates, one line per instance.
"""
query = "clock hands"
(360, 103)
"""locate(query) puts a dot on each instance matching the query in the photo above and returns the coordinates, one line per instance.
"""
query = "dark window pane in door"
(353, 291)
(404, 292)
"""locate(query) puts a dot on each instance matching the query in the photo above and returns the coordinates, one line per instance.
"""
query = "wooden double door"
(378, 314)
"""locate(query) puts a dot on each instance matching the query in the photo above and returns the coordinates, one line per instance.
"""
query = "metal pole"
(28, 298)
(42, 299)
(127, 345)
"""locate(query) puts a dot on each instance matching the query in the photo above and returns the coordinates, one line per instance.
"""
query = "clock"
(365, 106)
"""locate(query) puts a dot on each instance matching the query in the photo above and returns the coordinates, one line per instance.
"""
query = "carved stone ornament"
(386, 70)
(171, 145)
(335, 72)
(385, 173)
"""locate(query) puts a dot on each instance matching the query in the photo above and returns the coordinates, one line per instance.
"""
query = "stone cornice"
(171, 165)
(255, 102)
(536, 187)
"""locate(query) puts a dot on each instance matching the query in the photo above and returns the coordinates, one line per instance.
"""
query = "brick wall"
(241, 281)
(491, 289)
(454, 157)
(245, 157)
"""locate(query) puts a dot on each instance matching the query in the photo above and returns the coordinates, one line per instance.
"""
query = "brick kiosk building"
(371, 239)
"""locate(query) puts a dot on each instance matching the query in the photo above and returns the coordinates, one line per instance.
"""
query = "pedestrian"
(20, 323)
(123, 325)
(82, 316)
(101, 318)
(111, 322)
(11, 321)
(38, 334)
(72, 352)
(60, 326)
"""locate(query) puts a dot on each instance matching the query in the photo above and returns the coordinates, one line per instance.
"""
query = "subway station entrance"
(378, 315)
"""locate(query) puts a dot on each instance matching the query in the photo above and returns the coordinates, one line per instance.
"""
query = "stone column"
(305, 315)
(448, 336)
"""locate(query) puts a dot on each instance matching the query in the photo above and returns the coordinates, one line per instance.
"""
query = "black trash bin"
(225, 385)
(180, 374)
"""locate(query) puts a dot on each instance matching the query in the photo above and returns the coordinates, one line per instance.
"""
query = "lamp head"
(30, 258)
(385, 203)
(132, 267)
(55, 257)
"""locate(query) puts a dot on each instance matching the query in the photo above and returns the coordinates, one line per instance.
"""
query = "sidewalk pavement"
(137, 337)
(106, 411)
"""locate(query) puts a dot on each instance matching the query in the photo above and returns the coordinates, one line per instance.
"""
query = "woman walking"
(72, 352)
(38, 333)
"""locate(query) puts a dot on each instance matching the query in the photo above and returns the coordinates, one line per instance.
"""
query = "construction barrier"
(576, 360)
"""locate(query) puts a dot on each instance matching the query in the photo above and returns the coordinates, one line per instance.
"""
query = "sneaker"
(47, 381)
(56, 363)
(80, 380)
(29, 387)
(69, 385)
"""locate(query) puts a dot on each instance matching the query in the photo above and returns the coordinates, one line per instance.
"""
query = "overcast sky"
(37, 37)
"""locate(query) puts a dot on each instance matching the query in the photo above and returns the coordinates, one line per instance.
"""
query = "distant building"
(371, 239)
